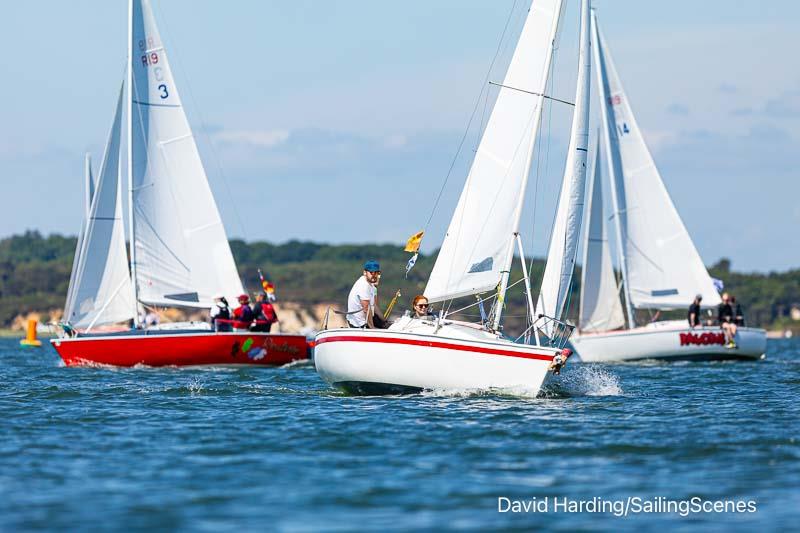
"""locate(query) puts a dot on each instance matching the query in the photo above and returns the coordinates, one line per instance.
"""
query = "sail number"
(623, 128)
(150, 59)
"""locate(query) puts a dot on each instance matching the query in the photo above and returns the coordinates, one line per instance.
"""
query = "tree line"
(35, 270)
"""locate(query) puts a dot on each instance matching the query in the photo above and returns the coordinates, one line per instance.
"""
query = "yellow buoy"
(30, 335)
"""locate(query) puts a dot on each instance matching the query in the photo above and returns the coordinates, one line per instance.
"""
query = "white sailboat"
(478, 249)
(180, 256)
(661, 268)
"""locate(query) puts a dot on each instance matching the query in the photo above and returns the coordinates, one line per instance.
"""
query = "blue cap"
(372, 266)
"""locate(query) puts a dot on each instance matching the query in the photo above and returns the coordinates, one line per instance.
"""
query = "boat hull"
(371, 362)
(668, 341)
(182, 349)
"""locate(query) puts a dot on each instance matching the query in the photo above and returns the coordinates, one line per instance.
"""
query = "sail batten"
(661, 266)
(180, 242)
(477, 248)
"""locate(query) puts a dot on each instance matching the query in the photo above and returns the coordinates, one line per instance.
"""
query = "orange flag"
(412, 245)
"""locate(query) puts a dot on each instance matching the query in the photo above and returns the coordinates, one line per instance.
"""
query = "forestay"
(100, 289)
(479, 240)
(182, 255)
(563, 249)
(600, 308)
(664, 269)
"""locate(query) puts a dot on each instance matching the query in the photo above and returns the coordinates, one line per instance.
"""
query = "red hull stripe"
(436, 344)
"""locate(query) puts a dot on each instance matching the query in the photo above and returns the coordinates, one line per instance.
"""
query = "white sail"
(664, 270)
(69, 305)
(600, 308)
(479, 242)
(563, 249)
(181, 252)
(100, 286)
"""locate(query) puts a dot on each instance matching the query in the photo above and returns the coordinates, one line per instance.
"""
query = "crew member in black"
(694, 311)
(725, 318)
(221, 314)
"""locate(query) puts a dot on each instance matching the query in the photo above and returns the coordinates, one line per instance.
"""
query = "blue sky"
(338, 121)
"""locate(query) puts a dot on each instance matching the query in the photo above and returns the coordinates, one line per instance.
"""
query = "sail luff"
(90, 184)
(478, 246)
(614, 169)
(563, 248)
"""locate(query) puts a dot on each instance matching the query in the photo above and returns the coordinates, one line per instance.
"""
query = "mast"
(129, 141)
(602, 83)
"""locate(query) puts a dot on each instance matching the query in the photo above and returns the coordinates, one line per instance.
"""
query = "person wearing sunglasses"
(362, 303)
(421, 307)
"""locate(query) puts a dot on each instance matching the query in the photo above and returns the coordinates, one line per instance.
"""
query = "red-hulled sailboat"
(180, 256)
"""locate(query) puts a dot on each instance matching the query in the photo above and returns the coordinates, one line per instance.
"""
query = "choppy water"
(226, 449)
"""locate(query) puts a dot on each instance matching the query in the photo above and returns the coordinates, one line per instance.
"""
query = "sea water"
(687, 445)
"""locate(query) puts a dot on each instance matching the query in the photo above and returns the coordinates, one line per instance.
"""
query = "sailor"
(725, 318)
(264, 314)
(559, 361)
(694, 311)
(362, 303)
(220, 314)
(243, 315)
(421, 307)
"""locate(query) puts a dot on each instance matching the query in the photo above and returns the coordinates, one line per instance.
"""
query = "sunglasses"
(422, 305)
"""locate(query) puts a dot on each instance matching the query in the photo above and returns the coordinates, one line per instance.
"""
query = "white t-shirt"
(362, 290)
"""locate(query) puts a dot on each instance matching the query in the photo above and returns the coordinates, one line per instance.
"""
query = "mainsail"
(661, 266)
(478, 246)
(100, 288)
(181, 256)
(600, 308)
(563, 249)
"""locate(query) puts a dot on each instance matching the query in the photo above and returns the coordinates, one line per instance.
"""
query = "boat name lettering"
(703, 339)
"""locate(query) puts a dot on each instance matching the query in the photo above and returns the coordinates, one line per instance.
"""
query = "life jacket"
(243, 316)
(268, 312)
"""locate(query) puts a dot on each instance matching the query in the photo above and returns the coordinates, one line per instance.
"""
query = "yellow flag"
(412, 245)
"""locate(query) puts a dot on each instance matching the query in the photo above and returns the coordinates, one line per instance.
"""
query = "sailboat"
(661, 268)
(476, 255)
(179, 254)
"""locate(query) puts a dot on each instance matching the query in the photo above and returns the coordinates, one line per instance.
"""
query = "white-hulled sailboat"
(180, 256)
(478, 249)
(661, 268)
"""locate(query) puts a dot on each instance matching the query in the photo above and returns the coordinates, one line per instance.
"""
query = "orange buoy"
(30, 335)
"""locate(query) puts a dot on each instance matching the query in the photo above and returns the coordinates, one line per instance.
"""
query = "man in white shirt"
(362, 302)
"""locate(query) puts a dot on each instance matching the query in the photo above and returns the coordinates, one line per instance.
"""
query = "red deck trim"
(435, 344)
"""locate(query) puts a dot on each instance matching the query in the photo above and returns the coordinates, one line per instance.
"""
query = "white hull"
(413, 356)
(672, 340)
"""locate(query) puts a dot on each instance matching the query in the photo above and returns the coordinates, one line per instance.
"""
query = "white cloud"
(260, 138)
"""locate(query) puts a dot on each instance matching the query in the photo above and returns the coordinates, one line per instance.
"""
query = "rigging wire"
(484, 87)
